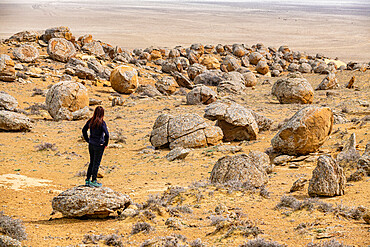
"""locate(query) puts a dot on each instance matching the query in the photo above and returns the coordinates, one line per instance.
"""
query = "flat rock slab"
(89, 202)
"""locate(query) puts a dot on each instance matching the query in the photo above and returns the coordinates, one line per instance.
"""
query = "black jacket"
(98, 136)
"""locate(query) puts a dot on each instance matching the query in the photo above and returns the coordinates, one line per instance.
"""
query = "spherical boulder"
(201, 94)
(250, 79)
(262, 67)
(26, 53)
(66, 97)
(61, 49)
(293, 90)
(124, 79)
(305, 132)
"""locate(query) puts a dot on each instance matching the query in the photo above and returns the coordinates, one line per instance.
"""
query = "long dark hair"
(97, 119)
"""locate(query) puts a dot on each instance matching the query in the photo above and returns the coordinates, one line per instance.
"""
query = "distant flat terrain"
(335, 30)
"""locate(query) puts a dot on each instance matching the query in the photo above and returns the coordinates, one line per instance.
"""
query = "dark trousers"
(96, 154)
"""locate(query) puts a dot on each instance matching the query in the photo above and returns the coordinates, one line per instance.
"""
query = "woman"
(98, 141)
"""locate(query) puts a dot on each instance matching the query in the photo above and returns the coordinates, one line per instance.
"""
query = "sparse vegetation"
(260, 242)
(46, 146)
(328, 243)
(310, 204)
(110, 240)
(141, 227)
(14, 228)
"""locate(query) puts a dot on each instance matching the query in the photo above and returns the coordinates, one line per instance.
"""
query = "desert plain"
(30, 179)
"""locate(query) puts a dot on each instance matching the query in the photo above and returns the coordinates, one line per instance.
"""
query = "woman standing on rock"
(98, 141)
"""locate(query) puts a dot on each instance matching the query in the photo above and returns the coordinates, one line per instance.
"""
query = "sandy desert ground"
(29, 179)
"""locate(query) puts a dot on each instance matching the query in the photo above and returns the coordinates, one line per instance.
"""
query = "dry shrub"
(328, 243)
(260, 242)
(141, 227)
(46, 147)
(14, 228)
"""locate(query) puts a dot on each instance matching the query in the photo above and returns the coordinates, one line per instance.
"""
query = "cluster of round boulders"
(124, 79)
(66, 99)
(305, 132)
(26, 53)
(184, 130)
(293, 89)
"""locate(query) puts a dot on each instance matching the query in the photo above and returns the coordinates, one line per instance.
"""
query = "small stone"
(178, 153)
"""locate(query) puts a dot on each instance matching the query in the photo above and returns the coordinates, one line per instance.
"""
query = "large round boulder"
(26, 53)
(57, 32)
(124, 79)
(250, 79)
(166, 85)
(65, 98)
(262, 67)
(305, 132)
(61, 49)
(94, 48)
(293, 90)
(241, 168)
(90, 202)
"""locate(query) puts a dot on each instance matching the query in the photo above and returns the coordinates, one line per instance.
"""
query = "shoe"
(87, 182)
(95, 184)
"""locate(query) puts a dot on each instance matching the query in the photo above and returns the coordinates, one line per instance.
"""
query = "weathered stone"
(263, 122)
(57, 32)
(195, 139)
(231, 63)
(174, 223)
(364, 161)
(81, 114)
(305, 132)
(66, 97)
(93, 48)
(239, 50)
(282, 159)
(209, 78)
(83, 72)
(293, 90)
(196, 69)
(118, 101)
(232, 87)
(93, 101)
(213, 135)
(250, 79)
(61, 49)
(349, 156)
(210, 62)
(262, 160)
(25, 36)
(178, 153)
(148, 90)
(201, 94)
(298, 185)
(7, 70)
(304, 68)
(6, 241)
(255, 57)
(184, 124)
(240, 168)
(7, 102)
(236, 122)
(89, 202)
(366, 216)
(262, 67)
(167, 85)
(327, 179)
(329, 82)
(26, 53)
(124, 79)
(12, 121)
(182, 80)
